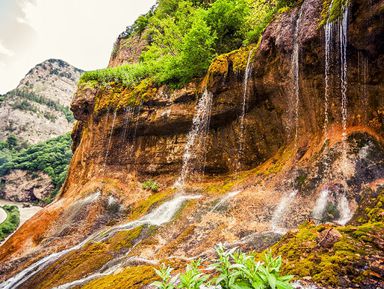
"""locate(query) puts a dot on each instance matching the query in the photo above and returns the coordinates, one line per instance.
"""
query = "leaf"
(271, 281)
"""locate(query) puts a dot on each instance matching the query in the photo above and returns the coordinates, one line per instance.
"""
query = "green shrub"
(232, 270)
(51, 157)
(11, 222)
(185, 36)
(151, 185)
(31, 96)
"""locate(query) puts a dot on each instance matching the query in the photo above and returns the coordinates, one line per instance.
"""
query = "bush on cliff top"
(185, 36)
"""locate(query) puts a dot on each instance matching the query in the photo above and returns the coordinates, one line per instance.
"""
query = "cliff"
(276, 130)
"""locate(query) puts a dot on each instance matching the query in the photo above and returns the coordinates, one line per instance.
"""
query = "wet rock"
(328, 237)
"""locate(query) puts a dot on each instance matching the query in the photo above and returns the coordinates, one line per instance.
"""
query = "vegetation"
(151, 185)
(332, 10)
(51, 157)
(11, 222)
(185, 36)
(27, 96)
(233, 269)
(351, 257)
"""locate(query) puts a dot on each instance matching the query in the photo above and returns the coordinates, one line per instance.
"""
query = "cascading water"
(344, 210)
(247, 74)
(280, 211)
(320, 206)
(161, 215)
(195, 146)
(225, 199)
(287, 200)
(295, 64)
(327, 74)
(110, 138)
(343, 35)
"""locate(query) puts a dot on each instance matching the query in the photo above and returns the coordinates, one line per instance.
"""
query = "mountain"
(38, 108)
(35, 121)
(270, 139)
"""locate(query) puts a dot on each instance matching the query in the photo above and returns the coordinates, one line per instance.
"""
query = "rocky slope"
(293, 151)
(37, 109)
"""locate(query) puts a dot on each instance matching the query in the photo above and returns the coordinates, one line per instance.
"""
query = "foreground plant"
(232, 270)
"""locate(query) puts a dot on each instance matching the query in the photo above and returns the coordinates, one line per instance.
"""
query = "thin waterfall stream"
(196, 140)
(110, 137)
(288, 199)
(159, 216)
(247, 74)
(343, 34)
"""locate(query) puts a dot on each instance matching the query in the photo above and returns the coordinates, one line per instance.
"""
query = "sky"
(80, 32)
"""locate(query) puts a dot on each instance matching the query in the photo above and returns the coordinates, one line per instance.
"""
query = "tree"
(12, 141)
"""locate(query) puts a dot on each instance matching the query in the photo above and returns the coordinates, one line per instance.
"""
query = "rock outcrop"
(122, 139)
(37, 109)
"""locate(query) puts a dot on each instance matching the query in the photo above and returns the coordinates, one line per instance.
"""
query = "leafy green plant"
(167, 280)
(151, 185)
(193, 278)
(232, 270)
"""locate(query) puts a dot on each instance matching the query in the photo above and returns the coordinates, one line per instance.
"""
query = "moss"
(91, 257)
(141, 208)
(237, 60)
(179, 239)
(114, 95)
(131, 277)
(303, 256)
(332, 13)
(371, 207)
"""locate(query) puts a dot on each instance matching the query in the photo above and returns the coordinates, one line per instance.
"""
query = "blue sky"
(81, 32)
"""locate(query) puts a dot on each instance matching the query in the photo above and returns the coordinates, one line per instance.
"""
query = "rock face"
(23, 186)
(37, 109)
(274, 182)
(127, 50)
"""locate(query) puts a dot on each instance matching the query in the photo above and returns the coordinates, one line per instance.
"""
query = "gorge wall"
(292, 149)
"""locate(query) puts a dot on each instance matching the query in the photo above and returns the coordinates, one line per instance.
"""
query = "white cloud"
(79, 32)
(5, 51)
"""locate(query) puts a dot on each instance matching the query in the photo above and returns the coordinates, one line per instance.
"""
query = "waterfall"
(159, 216)
(247, 74)
(343, 34)
(195, 147)
(287, 200)
(280, 211)
(363, 67)
(225, 199)
(345, 211)
(295, 64)
(110, 138)
(320, 206)
(327, 74)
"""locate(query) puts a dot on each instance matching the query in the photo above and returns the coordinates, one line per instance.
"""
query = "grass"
(11, 222)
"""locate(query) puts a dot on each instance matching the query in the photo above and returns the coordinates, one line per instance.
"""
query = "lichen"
(332, 13)
(91, 257)
(131, 277)
(352, 258)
